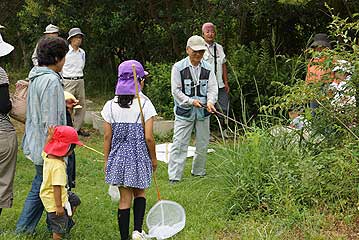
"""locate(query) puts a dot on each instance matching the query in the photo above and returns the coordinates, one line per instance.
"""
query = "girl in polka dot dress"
(130, 156)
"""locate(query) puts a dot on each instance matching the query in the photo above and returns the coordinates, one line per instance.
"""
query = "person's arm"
(225, 77)
(107, 142)
(5, 103)
(58, 202)
(150, 141)
(224, 70)
(53, 106)
(212, 92)
(176, 87)
(34, 57)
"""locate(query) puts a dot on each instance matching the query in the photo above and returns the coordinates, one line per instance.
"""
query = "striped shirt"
(5, 124)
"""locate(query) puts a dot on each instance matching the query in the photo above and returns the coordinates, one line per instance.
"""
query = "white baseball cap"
(5, 48)
(197, 43)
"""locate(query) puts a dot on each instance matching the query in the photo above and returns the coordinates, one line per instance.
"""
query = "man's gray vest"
(194, 90)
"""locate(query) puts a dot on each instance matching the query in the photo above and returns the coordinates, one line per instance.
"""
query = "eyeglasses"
(198, 52)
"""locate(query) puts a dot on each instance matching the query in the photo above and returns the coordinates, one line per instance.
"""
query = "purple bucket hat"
(125, 83)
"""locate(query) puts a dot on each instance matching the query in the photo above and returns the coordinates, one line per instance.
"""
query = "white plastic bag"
(114, 193)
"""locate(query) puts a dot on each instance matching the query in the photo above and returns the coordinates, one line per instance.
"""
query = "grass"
(96, 217)
(204, 199)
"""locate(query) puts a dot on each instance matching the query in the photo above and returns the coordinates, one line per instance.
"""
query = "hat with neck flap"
(125, 82)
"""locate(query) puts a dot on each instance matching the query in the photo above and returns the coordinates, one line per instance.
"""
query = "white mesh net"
(165, 219)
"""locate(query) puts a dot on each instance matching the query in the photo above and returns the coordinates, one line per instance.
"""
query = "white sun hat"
(51, 29)
(5, 48)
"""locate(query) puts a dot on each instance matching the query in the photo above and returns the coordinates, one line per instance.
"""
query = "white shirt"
(221, 59)
(128, 115)
(74, 63)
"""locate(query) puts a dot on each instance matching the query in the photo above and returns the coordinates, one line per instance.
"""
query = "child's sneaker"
(136, 235)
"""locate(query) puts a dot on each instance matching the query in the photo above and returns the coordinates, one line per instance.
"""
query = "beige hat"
(69, 96)
(5, 48)
(1, 26)
(51, 29)
(197, 43)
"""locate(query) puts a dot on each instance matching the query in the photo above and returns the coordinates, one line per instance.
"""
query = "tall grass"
(272, 175)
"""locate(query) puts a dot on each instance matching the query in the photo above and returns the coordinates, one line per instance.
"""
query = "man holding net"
(194, 88)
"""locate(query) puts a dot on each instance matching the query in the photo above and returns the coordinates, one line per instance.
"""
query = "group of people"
(56, 88)
(49, 148)
(55, 113)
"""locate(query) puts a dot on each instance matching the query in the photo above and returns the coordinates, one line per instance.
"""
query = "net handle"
(92, 149)
(143, 122)
(157, 189)
(138, 95)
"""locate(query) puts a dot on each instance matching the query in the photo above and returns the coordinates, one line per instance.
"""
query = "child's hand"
(154, 164)
(104, 168)
(50, 132)
(60, 211)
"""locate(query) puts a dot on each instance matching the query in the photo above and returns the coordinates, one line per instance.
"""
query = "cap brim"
(51, 32)
(56, 148)
(77, 106)
(5, 49)
(198, 48)
(2, 27)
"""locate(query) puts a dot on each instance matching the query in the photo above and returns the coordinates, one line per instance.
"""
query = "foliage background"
(259, 37)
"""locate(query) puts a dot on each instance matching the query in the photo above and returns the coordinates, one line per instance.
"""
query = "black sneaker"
(83, 133)
(173, 181)
(194, 175)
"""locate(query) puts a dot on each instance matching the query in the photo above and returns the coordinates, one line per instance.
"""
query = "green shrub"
(255, 72)
(159, 88)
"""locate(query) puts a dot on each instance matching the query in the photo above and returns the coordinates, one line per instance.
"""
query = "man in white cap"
(50, 31)
(194, 89)
(73, 75)
(215, 55)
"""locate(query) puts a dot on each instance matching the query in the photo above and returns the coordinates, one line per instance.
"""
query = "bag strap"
(215, 58)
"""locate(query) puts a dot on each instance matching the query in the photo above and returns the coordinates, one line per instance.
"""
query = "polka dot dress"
(129, 163)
